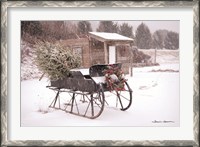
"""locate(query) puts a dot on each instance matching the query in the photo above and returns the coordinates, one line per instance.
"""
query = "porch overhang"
(110, 37)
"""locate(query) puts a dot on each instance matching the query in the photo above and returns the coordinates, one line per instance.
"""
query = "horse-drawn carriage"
(88, 92)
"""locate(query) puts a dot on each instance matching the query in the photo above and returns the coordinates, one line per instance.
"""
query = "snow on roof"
(111, 36)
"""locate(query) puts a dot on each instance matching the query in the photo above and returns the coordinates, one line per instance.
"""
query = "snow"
(111, 36)
(155, 102)
(162, 67)
(28, 69)
(99, 79)
(84, 71)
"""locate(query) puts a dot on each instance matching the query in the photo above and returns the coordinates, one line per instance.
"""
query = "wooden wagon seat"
(95, 72)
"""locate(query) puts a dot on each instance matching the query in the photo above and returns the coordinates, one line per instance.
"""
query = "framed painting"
(113, 73)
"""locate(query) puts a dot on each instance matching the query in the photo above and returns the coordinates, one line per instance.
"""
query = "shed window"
(78, 50)
(122, 51)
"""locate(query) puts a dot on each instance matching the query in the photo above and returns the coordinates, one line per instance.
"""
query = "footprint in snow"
(152, 84)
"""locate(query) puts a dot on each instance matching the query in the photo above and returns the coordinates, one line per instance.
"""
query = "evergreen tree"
(158, 38)
(126, 30)
(84, 27)
(55, 60)
(108, 26)
(143, 37)
(172, 40)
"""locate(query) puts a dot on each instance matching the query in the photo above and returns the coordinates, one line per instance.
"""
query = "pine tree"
(126, 30)
(108, 26)
(143, 37)
(158, 38)
(55, 60)
(84, 27)
(172, 40)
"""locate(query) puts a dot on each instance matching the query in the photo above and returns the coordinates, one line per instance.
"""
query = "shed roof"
(103, 36)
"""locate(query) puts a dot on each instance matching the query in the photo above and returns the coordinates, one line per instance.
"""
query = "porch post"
(105, 53)
(131, 60)
(90, 51)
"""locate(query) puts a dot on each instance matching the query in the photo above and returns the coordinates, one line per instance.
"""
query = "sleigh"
(85, 93)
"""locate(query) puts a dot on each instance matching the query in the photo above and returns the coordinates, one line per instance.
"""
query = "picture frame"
(5, 5)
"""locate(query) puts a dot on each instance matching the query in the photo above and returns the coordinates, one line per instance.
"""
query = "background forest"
(61, 30)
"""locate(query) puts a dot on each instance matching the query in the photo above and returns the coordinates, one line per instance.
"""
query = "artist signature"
(164, 121)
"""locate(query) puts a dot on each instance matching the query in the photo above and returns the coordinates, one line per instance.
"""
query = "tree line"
(61, 30)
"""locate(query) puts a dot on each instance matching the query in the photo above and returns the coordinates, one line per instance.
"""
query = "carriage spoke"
(92, 106)
(95, 99)
(97, 103)
(73, 97)
(120, 100)
(67, 104)
(116, 104)
(83, 98)
(87, 109)
(124, 97)
(121, 96)
(59, 102)
(77, 106)
(53, 103)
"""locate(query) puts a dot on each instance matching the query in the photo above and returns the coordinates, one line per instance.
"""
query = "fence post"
(155, 55)
(131, 60)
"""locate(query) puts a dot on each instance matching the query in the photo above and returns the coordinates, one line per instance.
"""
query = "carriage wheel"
(124, 98)
(95, 104)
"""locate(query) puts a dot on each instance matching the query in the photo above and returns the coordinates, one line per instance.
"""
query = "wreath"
(114, 77)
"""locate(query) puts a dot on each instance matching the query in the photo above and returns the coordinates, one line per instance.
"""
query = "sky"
(169, 25)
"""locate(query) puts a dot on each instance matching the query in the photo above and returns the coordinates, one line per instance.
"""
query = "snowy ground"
(163, 56)
(155, 102)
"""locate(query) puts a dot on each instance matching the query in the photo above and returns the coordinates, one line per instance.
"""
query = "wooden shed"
(80, 46)
(115, 48)
(102, 48)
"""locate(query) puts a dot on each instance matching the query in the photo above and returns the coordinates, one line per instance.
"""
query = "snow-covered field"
(155, 102)
(163, 56)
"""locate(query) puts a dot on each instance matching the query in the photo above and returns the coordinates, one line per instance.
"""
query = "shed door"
(112, 54)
